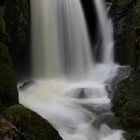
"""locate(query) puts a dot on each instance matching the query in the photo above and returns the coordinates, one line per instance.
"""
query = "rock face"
(8, 90)
(126, 16)
(17, 34)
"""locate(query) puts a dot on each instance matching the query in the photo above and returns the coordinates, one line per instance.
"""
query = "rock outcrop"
(126, 16)
(30, 124)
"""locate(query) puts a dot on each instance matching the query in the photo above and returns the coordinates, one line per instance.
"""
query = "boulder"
(30, 124)
(107, 118)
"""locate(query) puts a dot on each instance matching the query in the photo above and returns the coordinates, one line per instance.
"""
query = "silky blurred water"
(69, 88)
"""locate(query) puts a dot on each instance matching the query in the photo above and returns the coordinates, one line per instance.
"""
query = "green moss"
(31, 125)
(8, 90)
(2, 25)
(127, 101)
(17, 114)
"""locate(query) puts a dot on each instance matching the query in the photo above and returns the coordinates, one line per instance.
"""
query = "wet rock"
(96, 108)
(26, 84)
(122, 73)
(87, 92)
(79, 93)
(108, 119)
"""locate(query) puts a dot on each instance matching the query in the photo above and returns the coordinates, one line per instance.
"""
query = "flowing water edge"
(69, 87)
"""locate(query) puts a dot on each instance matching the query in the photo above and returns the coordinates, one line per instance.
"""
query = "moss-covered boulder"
(31, 125)
(8, 89)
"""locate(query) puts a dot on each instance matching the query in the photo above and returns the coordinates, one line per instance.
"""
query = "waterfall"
(70, 89)
(106, 29)
(59, 39)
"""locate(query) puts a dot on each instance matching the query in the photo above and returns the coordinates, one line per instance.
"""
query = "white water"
(60, 40)
(70, 89)
(106, 29)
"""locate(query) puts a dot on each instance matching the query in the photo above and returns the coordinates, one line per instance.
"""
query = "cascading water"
(69, 90)
(60, 40)
(106, 30)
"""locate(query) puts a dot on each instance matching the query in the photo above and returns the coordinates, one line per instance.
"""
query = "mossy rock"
(127, 101)
(126, 16)
(31, 125)
(8, 89)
